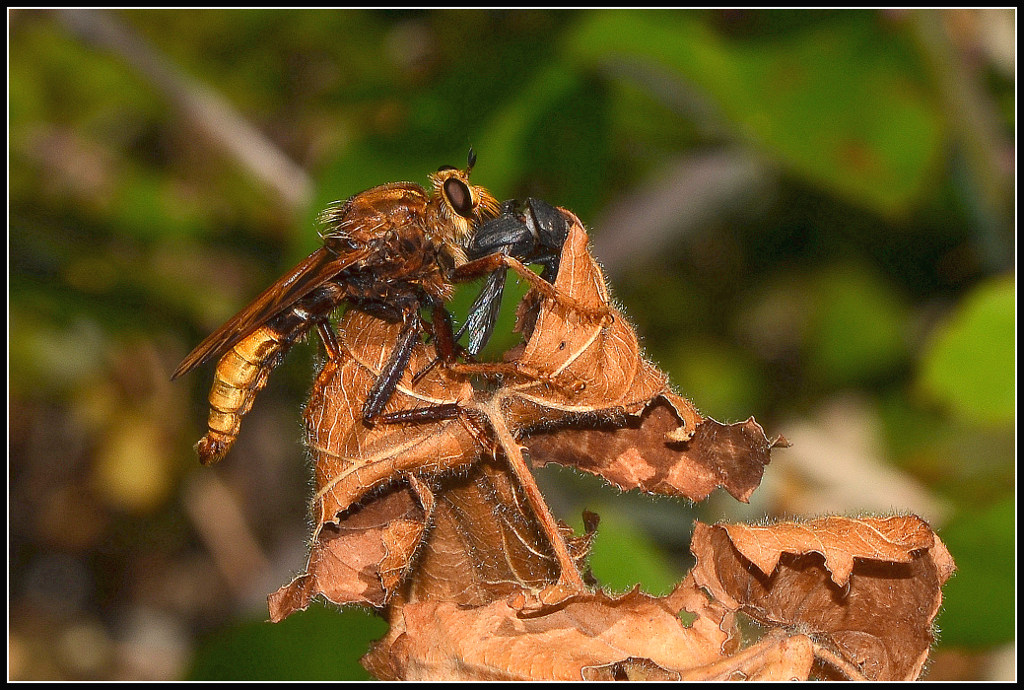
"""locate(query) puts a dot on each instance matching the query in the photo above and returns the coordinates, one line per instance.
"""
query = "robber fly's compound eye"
(459, 196)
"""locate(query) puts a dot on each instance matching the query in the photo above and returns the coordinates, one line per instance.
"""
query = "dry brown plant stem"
(569, 576)
(830, 657)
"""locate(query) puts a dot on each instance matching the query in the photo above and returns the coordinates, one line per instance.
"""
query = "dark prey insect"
(389, 251)
(533, 233)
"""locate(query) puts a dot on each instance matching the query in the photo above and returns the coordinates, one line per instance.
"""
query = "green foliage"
(975, 611)
(858, 327)
(726, 380)
(842, 103)
(624, 556)
(320, 643)
(970, 364)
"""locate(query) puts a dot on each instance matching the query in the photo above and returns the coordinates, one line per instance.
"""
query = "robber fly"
(389, 251)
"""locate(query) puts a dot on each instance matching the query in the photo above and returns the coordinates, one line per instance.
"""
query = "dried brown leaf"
(630, 668)
(586, 352)
(363, 557)
(775, 658)
(838, 539)
(362, 549)
(485, 543)
(597, 404)
(352, 459)
(590, 636)
(868, 587)
(640, 453)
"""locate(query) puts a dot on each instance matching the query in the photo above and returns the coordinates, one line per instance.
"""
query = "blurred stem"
(975, 128)
(676, 202)
(687, 191)
(220, 521)
(215, 116)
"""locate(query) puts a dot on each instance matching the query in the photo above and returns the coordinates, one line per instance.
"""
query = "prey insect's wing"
(483, 314)
(315, 270)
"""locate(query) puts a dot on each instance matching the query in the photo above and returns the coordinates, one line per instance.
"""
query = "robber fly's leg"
(444, 339)
(521, 371)
(432, 414)
(391, 373)
(601, 313)
(418, 376)
(497, 262)
(421, 415)
(445, 343)
(479, 267)
(328, 337)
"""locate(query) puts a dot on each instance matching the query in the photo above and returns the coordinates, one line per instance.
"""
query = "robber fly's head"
(457, 206)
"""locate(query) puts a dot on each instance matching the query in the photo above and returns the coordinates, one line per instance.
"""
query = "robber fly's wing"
(315, 270)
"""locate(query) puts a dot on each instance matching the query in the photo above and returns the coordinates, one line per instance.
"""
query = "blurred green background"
(808, 215)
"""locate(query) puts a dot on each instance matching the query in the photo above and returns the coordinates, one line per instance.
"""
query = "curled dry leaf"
(839, 540)
(363, 557)
(639, 452)
(683, 636)
(587, 354)
(592, 636)
(601, 407)
(868, 589)
(352, 459)
(775, 658)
